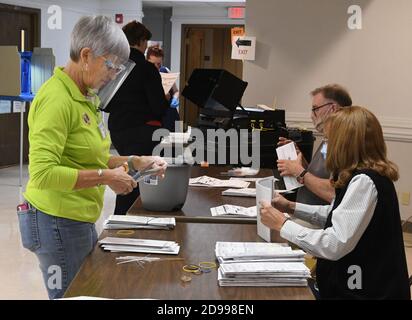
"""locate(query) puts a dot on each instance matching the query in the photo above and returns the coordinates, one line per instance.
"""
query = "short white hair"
(102, 35)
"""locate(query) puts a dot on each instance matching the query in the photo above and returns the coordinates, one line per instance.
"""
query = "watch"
(130, 164)
(301, 177)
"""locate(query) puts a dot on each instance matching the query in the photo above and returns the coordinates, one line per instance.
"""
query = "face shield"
(107, 92)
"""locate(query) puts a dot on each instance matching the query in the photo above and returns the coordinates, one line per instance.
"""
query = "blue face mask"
(324, 150)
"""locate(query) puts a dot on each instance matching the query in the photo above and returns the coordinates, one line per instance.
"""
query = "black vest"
(380, 252)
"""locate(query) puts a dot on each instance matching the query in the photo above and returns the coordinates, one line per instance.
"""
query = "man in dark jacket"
(137, 108)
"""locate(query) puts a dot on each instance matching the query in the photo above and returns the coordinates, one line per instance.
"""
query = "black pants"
(135, 141)
(170, 118)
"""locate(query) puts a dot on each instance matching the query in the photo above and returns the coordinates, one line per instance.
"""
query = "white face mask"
(319, 125)
(319, 121)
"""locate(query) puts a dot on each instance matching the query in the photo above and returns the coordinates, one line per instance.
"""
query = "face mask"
(319, 125)
(324, 150)
(319, 121)
(93, 97)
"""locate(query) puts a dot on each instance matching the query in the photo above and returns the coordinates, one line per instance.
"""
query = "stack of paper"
(138, 222)
(288, 152)
(205, 181)
(139, 245)
(237, 211)
(260, 264)
(168, 80)
(177, 137)
(242, 172)
(264, 193)
(246, 192)
(265, 274)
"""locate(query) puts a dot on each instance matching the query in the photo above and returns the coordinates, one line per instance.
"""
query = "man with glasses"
(317, 189)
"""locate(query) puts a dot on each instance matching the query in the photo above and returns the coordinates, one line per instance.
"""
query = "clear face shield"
(107, 92)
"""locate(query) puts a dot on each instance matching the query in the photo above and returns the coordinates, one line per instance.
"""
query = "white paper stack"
(265, 274)
(205, 181)
(242, 172)
(177, 137)
(114, 244)
(138, 222)
(288, 152)
(260, 265)
(246, 192)
(228, 210)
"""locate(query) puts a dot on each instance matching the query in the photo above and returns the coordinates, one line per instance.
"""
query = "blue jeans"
(60, 244)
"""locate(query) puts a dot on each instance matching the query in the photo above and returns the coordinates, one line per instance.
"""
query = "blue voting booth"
(26, 71)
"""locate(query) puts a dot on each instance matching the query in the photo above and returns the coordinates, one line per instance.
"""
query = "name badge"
(102, 129)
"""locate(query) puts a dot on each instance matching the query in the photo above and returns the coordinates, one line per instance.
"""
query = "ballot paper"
(236, 252)
(241, 172)
(264, 193)
(168, 80)
(256, 264)
(177, 137)
(229, 210)
(288, 152)
(246, 192)
(247, 179)
(138, 222)
(205, 181)
(265, 274)
(114, 244)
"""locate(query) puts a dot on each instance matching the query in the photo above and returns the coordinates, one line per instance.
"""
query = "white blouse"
(349, 221)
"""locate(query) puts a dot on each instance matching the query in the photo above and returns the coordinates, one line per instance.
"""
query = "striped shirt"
(349, 222)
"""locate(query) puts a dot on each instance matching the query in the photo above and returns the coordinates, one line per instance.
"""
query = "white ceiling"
(193, 3)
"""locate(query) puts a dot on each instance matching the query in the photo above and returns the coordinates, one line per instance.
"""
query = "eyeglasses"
(314, 109)
(112, 67)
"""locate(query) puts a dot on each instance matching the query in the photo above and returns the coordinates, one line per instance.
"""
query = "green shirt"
(64, 138)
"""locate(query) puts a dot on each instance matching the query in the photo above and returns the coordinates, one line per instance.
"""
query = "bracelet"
(301, 178)
(100, 174)
(287, 218)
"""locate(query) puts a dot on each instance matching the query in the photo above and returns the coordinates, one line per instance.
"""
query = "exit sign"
(236, 12)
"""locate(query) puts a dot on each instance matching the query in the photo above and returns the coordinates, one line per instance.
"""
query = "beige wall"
(302, 44)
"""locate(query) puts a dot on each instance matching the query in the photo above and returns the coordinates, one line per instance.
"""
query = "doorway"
(13, 19)
(209, 47)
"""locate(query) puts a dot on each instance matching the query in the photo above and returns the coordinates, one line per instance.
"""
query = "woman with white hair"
(70, 162)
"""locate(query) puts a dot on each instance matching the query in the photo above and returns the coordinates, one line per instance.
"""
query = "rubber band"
(125, 232)
(192, 268)
(207, 265)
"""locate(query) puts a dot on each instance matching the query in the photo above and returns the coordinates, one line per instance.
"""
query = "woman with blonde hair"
(360, 249)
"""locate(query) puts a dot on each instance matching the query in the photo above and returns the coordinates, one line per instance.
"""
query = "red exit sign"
(236, 12)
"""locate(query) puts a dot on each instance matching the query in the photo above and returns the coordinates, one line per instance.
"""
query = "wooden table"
(100, 276)
(199, 200)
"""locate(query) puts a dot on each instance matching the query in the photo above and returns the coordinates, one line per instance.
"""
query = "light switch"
(405, 198)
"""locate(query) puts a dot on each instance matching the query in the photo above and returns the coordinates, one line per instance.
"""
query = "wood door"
(194, 43)
(222, 52)
(217, 57)
(12, 20)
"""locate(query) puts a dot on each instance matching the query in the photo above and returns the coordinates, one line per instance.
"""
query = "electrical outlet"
(405, 198)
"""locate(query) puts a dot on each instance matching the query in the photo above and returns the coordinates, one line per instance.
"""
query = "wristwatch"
(131, 165)
(301, 177)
